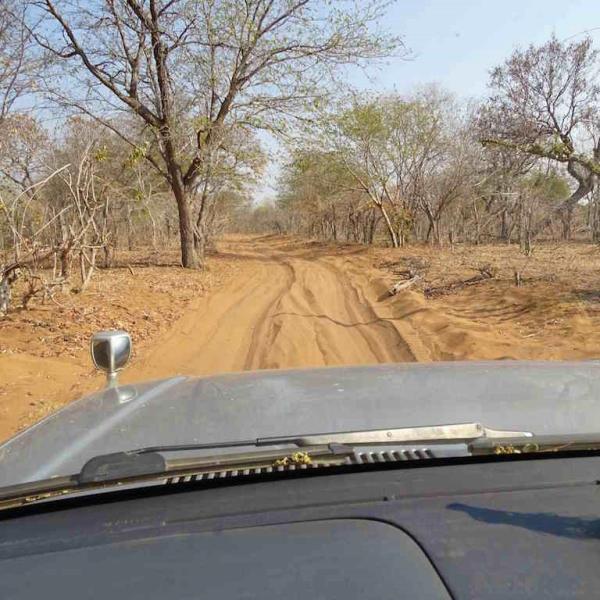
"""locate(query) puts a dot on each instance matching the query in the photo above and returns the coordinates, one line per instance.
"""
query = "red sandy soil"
(280, 302)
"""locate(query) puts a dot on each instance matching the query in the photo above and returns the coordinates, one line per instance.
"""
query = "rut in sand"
(284, 311)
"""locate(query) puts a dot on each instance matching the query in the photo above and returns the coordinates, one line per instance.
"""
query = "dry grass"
(142, 294)
(575, 265)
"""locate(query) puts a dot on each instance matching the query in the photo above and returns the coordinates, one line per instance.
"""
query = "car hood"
(543, 397)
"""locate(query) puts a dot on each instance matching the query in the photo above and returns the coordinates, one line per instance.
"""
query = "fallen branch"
(403, 285)
(37, 285)
(485, 274)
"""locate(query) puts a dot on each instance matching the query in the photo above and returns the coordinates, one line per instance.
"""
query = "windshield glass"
(214, 199)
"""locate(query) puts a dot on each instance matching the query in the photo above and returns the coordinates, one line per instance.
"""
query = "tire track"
(264, 332)
(283, 310)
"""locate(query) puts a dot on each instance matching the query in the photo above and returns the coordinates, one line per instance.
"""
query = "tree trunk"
(504, 234)
(130, 244)
(477, 222)
(201, 229)
(585, 186)
(433, 227)
(567, 222)
(388, 224)
(525, 233)
(189, 258)
(65, 263)
(595, 216)
(108, 255)
(181, 192)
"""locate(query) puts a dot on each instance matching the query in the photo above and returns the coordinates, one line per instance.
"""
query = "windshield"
(235, 194)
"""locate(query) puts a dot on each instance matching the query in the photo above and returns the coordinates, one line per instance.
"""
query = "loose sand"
(275, 302)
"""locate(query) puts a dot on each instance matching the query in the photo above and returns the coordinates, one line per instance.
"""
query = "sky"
(455, 43)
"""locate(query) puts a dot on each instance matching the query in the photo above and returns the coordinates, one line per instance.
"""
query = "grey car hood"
(540, 397)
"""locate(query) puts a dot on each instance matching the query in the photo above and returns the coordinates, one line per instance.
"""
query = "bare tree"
(545, 103)
(17, 65)
(361, 136)
(192, 69)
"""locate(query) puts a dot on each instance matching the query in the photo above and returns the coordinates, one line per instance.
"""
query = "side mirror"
(110, 351)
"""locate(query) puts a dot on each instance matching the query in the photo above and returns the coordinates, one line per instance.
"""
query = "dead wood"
(403, 285)
(486, 273)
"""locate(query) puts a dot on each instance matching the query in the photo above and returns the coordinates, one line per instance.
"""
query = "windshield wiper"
(436, 434)
(538, 443)
(138, 466)
(144, 461)
(432, 434)
(150, 463)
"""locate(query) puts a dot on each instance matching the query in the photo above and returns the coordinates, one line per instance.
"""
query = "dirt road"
(305, 304)
(279, 302)
(287, 303)
(285, 309)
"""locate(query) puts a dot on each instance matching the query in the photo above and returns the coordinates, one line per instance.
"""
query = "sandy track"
(283, 311)
(286, 303)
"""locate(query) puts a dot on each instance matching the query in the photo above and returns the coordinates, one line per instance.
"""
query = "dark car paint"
(248, 562)
(513, 528)
(527, 528)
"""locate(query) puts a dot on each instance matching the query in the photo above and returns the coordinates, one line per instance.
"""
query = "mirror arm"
(112, 380)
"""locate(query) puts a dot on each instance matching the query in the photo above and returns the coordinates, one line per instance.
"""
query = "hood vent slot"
(359, 458)
(362, 458)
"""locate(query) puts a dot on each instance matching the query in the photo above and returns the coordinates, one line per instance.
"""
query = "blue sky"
(456, 42)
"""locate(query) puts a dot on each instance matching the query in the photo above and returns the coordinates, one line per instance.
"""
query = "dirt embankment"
(275, 302)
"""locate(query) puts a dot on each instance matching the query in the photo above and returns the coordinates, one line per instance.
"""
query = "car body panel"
(544, 397)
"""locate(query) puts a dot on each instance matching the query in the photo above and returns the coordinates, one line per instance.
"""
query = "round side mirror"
(111, 351)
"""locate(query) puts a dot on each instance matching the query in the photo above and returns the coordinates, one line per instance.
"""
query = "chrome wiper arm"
(431, 434)
(537, 443)
(436, 434)
(151, 460)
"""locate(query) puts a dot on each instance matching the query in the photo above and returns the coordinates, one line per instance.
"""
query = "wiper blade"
(122, 465)
(145, 461)
(436, 434)
(109, 470)
(150, 464)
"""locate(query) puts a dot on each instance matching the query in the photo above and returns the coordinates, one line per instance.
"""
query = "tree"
(320, 198)
(17, 65)
(545, 104)
(233, 168)
(403, 153)
(193, 70)
(535, 192)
